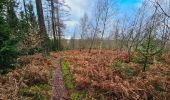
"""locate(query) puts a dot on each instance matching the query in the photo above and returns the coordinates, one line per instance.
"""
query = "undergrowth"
(123, 68)
(103, 79)
(30, 81)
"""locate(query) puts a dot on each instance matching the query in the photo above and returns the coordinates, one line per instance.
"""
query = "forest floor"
(105, 75)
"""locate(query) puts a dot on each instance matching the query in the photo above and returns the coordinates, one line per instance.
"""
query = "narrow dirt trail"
(59, 92)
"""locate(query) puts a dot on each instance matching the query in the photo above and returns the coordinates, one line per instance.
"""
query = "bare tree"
(104, 16)
(83, 30)
(73, 40)
(165, 13)
(159, 5)
(97, 20)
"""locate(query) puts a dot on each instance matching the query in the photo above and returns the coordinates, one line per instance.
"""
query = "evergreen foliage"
(8, 41)
(149, 48)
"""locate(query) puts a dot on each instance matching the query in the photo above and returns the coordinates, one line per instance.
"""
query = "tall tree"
(58, 26)
(42, 29)
(53, 23)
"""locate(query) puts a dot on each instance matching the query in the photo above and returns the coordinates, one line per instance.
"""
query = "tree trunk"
(147, 52)
(53, 23)
(145, 63)
(58, 27)
(42, 29)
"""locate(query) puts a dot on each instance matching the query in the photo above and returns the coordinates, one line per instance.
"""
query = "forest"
(52, 49)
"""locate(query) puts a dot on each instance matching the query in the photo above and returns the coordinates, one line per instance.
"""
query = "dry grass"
(100, 78)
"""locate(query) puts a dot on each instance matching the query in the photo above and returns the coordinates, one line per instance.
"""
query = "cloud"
(71, 23)
(78, 8)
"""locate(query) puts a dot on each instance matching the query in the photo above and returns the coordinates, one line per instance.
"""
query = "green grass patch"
(77, 95)
(68, 80)
(37, 92)
(66, 74)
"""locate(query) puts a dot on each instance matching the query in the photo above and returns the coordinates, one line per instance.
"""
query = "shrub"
(123, 68)
(138, 58)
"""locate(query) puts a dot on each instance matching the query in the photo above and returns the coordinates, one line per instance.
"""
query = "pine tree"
(8, 41)
(149, 48)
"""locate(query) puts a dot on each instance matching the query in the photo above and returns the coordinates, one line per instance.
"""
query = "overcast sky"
(79, 7)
